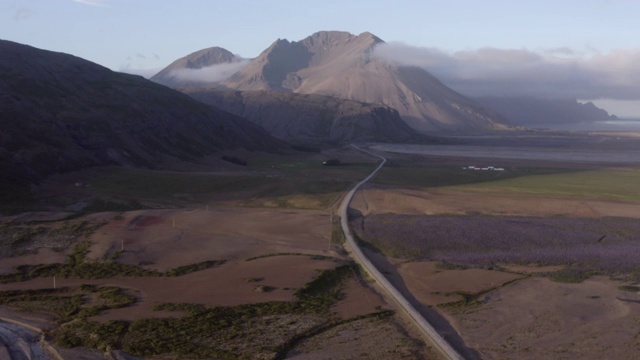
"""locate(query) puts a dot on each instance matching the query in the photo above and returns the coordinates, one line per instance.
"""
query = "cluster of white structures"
(488, 168)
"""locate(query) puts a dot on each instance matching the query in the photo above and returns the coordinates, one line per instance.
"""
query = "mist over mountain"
(530, 111)
(341, 65)
(205, 66)
(62, 113)
(311, 118)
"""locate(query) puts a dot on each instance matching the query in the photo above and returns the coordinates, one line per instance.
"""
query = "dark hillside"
(61, 113)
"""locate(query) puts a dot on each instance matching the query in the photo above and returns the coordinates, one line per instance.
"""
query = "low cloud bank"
(561, 72)
(218, 72)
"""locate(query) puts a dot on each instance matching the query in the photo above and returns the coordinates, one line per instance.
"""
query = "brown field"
(282, 241)
(272, 236)
(516, 314)
(444, 201)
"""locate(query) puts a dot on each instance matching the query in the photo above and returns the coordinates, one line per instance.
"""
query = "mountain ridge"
(311, 118)
(342, 65)
(531, 111)
(62, 113)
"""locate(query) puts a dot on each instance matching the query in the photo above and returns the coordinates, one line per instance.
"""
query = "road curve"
(361, 259)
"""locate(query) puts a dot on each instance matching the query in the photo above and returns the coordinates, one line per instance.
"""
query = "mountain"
(529, 111)
(180, 72)
(61, 113)
(310, 118)
(342, 65)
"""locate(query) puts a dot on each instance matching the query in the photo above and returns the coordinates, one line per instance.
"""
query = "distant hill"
(341, 65)
(61, 113)
(528, 111)
(309, 118)
(180, 72)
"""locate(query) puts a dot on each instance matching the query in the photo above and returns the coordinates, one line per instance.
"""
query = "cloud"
(560, 72)
(146, 73)
(99, 3)
(212, 73)
(22, 14)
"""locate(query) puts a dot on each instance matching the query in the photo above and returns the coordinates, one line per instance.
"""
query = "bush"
(234, 160)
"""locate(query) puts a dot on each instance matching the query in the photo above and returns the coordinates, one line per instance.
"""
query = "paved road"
(352, 246)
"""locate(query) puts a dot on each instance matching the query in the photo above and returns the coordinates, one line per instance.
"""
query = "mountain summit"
(342, 65)
(181, 72)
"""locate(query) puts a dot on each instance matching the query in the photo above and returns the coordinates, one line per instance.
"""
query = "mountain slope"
(61, 113)
(341, 65)
(305, 118)
(528, 111)
(177, 73)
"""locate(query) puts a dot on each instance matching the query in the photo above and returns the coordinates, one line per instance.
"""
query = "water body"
(584, 155)
(619, 125)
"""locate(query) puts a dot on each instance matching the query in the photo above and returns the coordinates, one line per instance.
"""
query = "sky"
(585, 49)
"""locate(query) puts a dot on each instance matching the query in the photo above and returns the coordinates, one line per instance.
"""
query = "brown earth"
(541, 319)
(283, 243)
(449, 201)
(531, 318)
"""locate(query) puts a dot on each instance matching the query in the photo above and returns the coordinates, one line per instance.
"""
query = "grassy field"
(527, 178)
(617, 185)
(155, 184)
(299, 183)
(448, 173)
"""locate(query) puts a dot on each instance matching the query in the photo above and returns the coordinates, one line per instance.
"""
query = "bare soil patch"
(269, 253)
(150, 236)
(358, 300)
(540, 319)
(450, 201)
(431, 286)
(362, 339)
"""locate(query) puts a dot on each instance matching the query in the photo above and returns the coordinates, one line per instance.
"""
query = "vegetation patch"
(403, 173)
(183, 270)
(583, 246)
(150, 184)
(252, 331)
(100, 205)
(325, 290)
(597, 184)
(21, 238)
(630, 288)
(572, 275)
(79, 267)
(234, 160)
(90, 334)
(68, 304)
(337, 235)
(311, 256)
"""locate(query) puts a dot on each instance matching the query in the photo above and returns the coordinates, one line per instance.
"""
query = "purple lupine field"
(610, 245)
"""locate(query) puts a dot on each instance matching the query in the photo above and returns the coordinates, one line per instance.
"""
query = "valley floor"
(258, 252)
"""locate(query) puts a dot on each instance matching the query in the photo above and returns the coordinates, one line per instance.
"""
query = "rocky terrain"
(529, 111)
(308, 118)
(341, 65)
